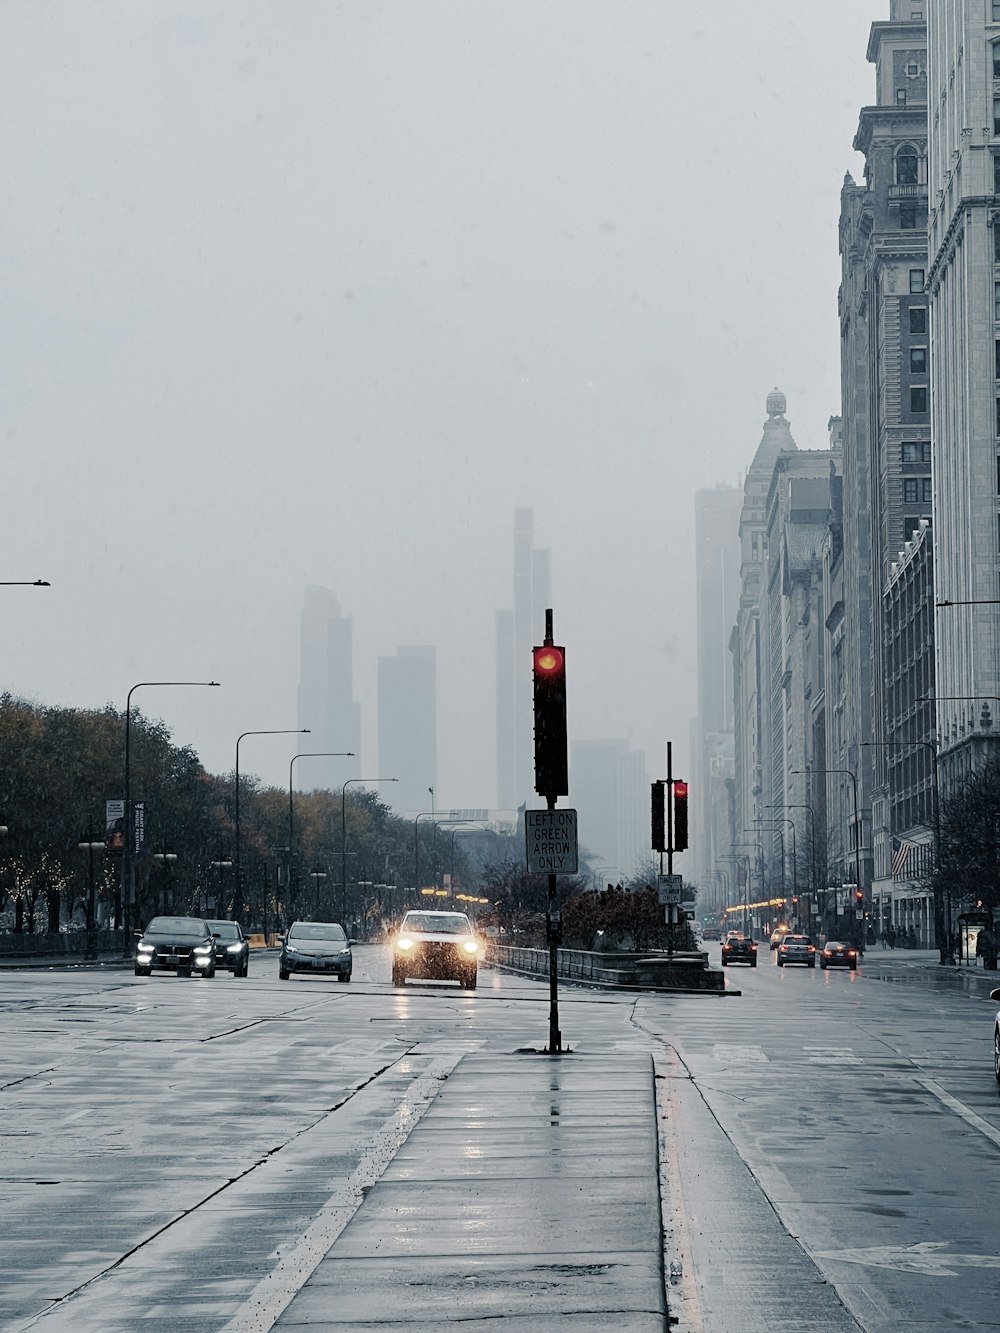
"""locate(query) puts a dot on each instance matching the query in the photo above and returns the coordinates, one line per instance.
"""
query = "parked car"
(710, 933)
(797, 949)
(436, 946)
(739, 949)
(319, 947)
(837, 954)
(995, 995)
(232, 948)
(181, 944)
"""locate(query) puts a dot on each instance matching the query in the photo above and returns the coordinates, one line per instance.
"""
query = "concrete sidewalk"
(528, 1191)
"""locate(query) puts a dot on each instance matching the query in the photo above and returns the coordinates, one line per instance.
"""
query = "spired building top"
(776, 403)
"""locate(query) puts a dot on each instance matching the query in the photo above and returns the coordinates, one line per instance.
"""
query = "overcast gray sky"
(315, 292)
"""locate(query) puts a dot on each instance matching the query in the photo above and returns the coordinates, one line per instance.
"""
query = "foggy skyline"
(319, 294)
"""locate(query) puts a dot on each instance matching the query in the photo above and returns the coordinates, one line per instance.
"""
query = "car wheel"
(469, 981)
(143, 971)
(398, 977)
(243, 968)
(753, 962)
(344, 976)
(723, 962)
(996, 1051)
(781, 962)
(853, 967)
(282, 976)
(812, 962)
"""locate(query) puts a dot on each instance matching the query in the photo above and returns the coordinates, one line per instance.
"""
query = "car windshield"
(796, 939)
(437, 923)
(226, 930)
(177, 925)
(316, 930)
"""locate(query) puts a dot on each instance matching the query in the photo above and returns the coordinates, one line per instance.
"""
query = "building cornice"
(884, 28)
(902, 122)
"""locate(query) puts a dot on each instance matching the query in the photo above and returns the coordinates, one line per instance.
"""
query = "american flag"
(900, 854)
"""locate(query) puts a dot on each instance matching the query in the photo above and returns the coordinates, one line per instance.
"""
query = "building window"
(996, 60)
(901, 97)
(910, 526)
(996, 367)
(906, 164)
(916, 451)
(926, 492)
(998, 475)
(918, 316)
(996, 11)
(907, 217)
(911, 490)
(918, 399)
(917, 281)
(998, 416)
(996, 301)
(918, 360)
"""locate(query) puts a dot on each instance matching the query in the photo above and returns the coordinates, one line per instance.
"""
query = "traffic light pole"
(554, 929)
(670, 842)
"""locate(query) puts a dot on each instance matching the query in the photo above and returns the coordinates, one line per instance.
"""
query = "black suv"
(232, 948)
(739, 949)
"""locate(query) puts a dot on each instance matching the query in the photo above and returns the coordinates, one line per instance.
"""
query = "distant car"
(436, 946)
(995, 995)
(710, 933)
(232, 948)
(318, 947)
(181, 944)
(797, 949)
(837, 954)
(739, 949)
(778, 936)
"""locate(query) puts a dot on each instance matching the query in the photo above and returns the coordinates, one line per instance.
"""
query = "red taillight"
(812, 948)
(827, 953)
(753, 947)
(852, 953)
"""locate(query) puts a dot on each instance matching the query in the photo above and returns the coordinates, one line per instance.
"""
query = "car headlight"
(405, 943)
(145, 948)
(204, 948)
(470, 946)
(233, 948)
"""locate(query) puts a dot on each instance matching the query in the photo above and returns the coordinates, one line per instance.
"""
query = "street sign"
(550, 842)
(670, 889)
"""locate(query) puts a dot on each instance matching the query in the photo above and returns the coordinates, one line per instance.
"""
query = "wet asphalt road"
(830, 1143)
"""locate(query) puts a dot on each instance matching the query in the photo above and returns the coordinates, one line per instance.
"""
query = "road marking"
(739, 1055)
(274, 1293)
(832, 1055)
(925, 1258)
(966, 1112)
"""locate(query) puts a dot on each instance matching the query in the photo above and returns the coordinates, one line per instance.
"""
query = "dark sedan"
(739, 949)
(181, 944)
(317, 947)
(837, 954)
(232, 948)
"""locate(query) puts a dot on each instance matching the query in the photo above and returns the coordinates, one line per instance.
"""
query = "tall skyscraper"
(611, 796)
(517, 632)
(407, 725)
(717, 559)
(963, 285)
(326, 703)
(885, 391)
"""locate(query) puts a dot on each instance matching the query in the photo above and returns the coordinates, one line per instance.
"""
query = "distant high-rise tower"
(407, 725)
(717, 557)
(517, 632)
(326, 690)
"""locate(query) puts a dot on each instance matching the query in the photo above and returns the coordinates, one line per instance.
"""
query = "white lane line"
(274, 1293)
(832, 1055)
(966, 1112)
(739, 1055)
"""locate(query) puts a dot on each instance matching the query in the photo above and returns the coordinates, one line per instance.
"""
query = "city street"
(182, 1153)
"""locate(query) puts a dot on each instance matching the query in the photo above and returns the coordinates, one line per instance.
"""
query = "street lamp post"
(89, 844)
(774, 826)
(316, 875)
(747, 916)
(739, 858)
(166, 860)
(127, 888)
(351, 782)
(221, 863)
(290, 731)
(427, 814)
(307, 754)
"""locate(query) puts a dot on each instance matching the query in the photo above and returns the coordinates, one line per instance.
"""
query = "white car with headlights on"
(436, 946)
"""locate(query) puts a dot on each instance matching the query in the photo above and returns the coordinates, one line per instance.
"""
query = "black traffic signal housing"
(658, 820)
(859, 897)
(551, 766)
(680, 815)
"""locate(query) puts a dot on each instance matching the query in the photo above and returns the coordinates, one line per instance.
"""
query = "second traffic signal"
(680, 815)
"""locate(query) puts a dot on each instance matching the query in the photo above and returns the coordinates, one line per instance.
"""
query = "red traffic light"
(549, 660)
(680, 789)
